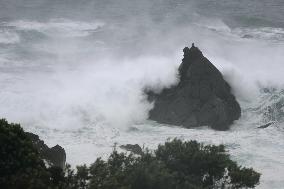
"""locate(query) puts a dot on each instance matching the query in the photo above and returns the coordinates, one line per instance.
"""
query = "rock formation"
(55, 156)
(201, 98)
(134, 148)
(266, 125)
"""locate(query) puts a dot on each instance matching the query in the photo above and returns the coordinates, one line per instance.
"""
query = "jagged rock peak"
(55, 156)
(192, 52)
(202, 97)
(189, 56)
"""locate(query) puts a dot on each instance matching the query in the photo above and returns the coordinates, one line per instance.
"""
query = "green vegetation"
(20, 163)
(174, 165)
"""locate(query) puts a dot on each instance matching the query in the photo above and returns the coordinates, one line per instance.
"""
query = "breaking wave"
(79, 81)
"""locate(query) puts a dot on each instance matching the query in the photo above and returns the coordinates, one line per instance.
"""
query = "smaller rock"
(55, 156)
(136, 149)
(247, 36)
(265, 126)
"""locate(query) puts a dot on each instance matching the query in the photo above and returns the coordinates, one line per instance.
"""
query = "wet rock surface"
(134, 148)
(265, 125)
(55, 156)
(201, 98)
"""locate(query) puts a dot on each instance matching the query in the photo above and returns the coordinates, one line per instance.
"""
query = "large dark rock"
(202, 97)
(55, 156)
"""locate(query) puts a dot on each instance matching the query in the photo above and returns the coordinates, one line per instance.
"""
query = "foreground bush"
(20, 163)
(174, 165)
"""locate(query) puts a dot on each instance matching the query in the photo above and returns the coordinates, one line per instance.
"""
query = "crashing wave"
(8, 37)
(264, 33)
(269, 110)
(57, 27)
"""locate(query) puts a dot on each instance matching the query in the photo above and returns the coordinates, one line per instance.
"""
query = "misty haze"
(102, 76)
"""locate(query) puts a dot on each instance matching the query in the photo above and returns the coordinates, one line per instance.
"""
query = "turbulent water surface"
(74, 72)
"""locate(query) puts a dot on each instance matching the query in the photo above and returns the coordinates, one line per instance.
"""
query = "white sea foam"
(102, 92)
(57, 27)
(263, 33)
(8, 37)
(271, 34)
(260, 149)
(62, 89)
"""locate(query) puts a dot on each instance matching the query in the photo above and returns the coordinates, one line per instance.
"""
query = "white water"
(80, 84)
(261, 149)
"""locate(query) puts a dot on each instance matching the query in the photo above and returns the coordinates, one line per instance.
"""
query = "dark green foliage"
(174, 165)
(243, 177)
(68, 178)
(203, 165)
(57, 177)
(82, 177)
(113, 173)
(20, 164)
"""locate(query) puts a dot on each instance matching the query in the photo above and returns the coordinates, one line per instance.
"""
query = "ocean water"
(74, 72)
